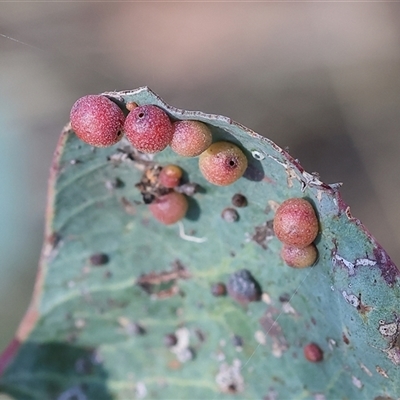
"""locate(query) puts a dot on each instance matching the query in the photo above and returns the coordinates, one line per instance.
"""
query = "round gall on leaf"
(148, 128)
(190, 138)
(97, 121)
(222, 163)
(170, 176)
(313, 353)
(299, 257)
(169, 208)
(295, 222)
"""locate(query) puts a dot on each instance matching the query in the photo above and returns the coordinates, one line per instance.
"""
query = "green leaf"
(98, 331)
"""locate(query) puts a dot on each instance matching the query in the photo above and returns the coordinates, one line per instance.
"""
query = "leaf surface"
(98, 331)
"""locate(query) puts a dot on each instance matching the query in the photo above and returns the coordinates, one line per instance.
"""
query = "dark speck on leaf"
(138, 329)
(114, 184)
(54, 239)
(238, 200)
(148, 198)
(170, 340)
(345, 339)
(284, 298)
(98, 259)
(237, 341)
(218, 289)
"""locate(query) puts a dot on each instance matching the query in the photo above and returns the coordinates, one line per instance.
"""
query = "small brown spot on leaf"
(384, 398)
(382, 372)
(218, 289)
(163, 284)
(54, 239)
(348, 213)
(345, 338)
(200, 335)
(313, 353)
(98, 259)
(284, 298)
(167, 293)
(263, 234)
(238, 200)
(363, 309)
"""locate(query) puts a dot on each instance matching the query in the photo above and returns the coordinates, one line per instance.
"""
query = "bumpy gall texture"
(243, 288)
(313, 353)
(169, 208)
(299, 257)
(97, 121)
(170, 176)
(190, 138)
(222, 163)
(148, 128)
(295, 222)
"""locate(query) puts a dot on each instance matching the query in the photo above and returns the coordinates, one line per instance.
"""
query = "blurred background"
(320, 78)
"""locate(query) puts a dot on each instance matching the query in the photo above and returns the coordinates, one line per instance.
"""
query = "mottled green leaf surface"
(99, 335)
